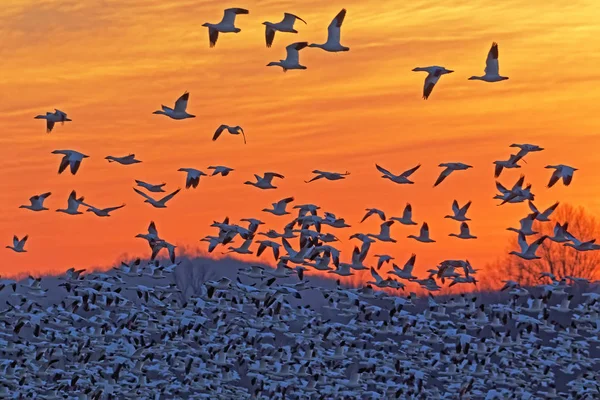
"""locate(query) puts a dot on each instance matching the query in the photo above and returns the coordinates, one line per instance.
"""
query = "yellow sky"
(109, 64)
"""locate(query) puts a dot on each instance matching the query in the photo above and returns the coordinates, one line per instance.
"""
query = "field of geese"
(297, 329)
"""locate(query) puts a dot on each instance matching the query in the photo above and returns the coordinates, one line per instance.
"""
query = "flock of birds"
(252, 337)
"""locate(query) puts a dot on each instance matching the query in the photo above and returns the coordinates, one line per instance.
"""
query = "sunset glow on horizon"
(110, 64)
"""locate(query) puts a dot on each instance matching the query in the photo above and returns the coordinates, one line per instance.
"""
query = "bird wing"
(532, 207)
(443, 175)
(213, 36)
(522, 242)
(152, 229)
(554, 178)
(455, 208)
(551, 209)
(292, 51)
(15, 241)
(143, 194)
(283, 202)
(424, 230)
(111, 209)
(465, 208)
(230, 13)
(491, 64)
(49, 125)
(64, 163)
(75, 164)
(169, 196)
(334, 28)
(383, 170)
(218, 132)
(181, 103)
(376, 276)
(464, 229)
(533, 246)
(367, 215)
(430, 82)
(289, 19)
(271, 175)
(567, 179)
(409, 172)
(269, 35)
(407, 214)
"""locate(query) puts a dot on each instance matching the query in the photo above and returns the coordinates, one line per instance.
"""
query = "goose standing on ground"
(279, 207)
(227, 25)
(179, 112)
(423, 234)
(220, 169)
(125, 160)
(102, 212)
(71, 158)
(233, 130)
(402, 178)
(162, 203)
(286, 25)
(465, 232)
(52, 118)
(528, 250)
(150, 187)
(18, 245)
(292, 59)
(37, 202)
(330, 176)
(449, 168)
(73, 204)
(561, 171)
(434, 74)
(266, 181)
(192, 178)
(492, 68)
(334, 35)
(406, 218)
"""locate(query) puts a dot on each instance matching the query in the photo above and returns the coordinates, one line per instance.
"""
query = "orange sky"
(109, 64)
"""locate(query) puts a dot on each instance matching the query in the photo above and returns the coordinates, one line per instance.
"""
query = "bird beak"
(449, 71)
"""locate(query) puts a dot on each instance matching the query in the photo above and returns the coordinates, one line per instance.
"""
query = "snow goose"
(227, 24)
(383, 258)
(578, 245)
(233, 130)
(492, 69)
(510, 163)
(292, 59)
(406, 272)
(73, 204)
(266, 181)
(52, 118)
(103, 212)
(37, 202)
(465, 233)
(125, 160)
(543, 216)
(433, 76)
(561, 171)
(18, 244)
(526, 148)
(384, 233)
(71, 158)
(402, 178)
(150, 187)
(449, 168)
(528, 250)
(330, 176)
(423, 235)
(162, 203)
(279, 207)
(334, 35)
(192, 178)
(406, 218)
(460, 214)
(560, 233)
(373, 211)
(263, 244)
(286, 25)
(526, 225)
(179, 112)
(220, 169)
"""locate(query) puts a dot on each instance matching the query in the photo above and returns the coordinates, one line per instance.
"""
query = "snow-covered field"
(220, 330)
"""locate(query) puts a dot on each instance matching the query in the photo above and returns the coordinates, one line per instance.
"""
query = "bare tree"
(555, 258)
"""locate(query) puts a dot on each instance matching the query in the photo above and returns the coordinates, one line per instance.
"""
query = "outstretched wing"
(169, 196)
(181, 103)
(64, 163)
(49, 126)
(218, 132)
(289, 19)
(230, 13)
(491, 64)
(292, 51)
(383, 170)
(411, 171)
(334, 28)
(270, 175)
(144, 195)
(111, 209)
(269, 35)
(443, 176)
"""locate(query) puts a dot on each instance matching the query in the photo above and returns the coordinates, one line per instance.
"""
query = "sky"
(110, 64)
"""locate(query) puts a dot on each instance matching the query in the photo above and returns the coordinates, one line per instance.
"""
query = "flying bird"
(227, 25)
(150, 187)
(103, 212)
(402, 178)
(266, 181)
(465, 232)
(292, 59)
(333, 35)
(279, 207)
(526, 148)
(53, 118)
(286, 25)
(561, 171)
(510, 163)
(125, 160)
(449, 168)
(528, 250)
(220, 169)
(18, 245)
(37, 202)
(373, 211)
(459, 213)
(330, 176)
(73, 204)
(71, 158)
(406, 218)
(179, 112)
(233, 130)
(423, 235)
(433, 76)
(162, 203)
(492, 69)
(192, 178)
